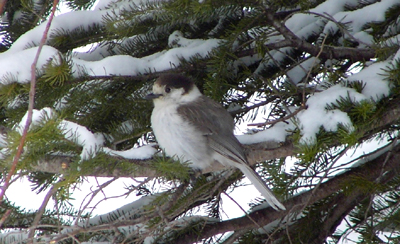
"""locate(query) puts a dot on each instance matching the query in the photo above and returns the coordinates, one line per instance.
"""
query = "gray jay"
(194, 128)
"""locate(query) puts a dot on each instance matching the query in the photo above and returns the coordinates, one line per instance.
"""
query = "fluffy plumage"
(192, 127)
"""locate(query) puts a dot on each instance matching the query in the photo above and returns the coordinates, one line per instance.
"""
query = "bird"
(192, 127)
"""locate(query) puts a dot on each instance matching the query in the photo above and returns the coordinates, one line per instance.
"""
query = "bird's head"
(173, 89)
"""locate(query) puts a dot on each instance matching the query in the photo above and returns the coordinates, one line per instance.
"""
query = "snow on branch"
(90, 142)
(359, 18)
(181, 48)
(16, 64)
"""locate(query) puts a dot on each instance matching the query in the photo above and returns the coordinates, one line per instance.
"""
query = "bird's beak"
(151, 96)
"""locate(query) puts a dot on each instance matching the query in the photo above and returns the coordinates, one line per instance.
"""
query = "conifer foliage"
(314, 86)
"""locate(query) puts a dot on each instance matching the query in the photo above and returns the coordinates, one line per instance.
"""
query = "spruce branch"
(339, 206)
(258, 152)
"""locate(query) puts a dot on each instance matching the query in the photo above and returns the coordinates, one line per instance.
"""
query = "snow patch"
(317, 116)
(183, 48)
(16, 66)
(375, 86)
(37, 117)
(360, 17)
(300, 71)
(276, 133)
(91, 142)
(143, 152)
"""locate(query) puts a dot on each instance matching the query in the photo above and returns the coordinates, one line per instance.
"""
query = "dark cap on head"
(176, 81)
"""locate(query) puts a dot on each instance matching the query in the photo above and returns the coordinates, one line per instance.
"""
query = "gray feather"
(217, 125)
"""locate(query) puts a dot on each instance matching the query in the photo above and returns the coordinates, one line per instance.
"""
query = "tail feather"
(261, 186)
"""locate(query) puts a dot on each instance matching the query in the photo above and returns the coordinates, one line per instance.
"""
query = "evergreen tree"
(314, 84)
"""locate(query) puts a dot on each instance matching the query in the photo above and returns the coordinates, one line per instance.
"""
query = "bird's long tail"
(261, 186)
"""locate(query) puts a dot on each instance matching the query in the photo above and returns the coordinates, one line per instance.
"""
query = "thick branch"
(343, 204)
(369, 171)
(256, 153)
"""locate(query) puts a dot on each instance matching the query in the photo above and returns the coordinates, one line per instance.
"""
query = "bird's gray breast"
(179, 138)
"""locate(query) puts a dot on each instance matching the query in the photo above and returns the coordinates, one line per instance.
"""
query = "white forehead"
(176, 95)
(157, 88)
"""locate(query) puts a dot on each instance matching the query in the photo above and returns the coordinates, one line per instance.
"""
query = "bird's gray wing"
(217, 125)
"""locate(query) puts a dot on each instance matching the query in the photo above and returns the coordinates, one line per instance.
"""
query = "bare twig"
(5, 216)
(244, 211)
(279, 120)
(92, 195)
(30, 106)
(2, 6)
(40, 212)
(309, 71)
(254, 106)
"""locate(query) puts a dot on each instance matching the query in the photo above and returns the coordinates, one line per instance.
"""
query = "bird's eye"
(167, 89)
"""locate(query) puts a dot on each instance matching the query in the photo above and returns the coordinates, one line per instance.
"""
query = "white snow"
(37, 117)
(66, 22)
(317, 116)
(91, 142)
(93, 52)
(143, 152)
(372, 76)
(306, 24)
(82, 136)
(104, 4)
(300, 21)
(182, 48)
(297, 73)
(276, 133)
(16, 66)
(360, 17)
